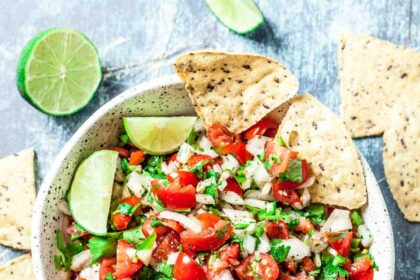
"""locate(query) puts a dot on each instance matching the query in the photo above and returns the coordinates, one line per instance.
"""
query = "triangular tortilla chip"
(18, 269)
(17, 197)
(402, 157)
(374, 74)
(234, 90)
(310, 128)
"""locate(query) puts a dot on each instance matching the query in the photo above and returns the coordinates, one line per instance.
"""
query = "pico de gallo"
(223, 206)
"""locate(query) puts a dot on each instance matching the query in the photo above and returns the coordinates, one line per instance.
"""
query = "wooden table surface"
(137, 40)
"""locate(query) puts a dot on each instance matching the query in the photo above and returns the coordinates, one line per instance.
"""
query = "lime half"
(91, 190)
(158, 135)
(241, 16)
(59, 71)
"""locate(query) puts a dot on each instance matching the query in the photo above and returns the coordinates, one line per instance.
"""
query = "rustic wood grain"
(138, 39)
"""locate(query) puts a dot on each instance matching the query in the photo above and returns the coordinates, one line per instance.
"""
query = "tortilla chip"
(310, 128)
(17, 197)
(402, 157)
(374, 74)
(18, 269)
(234, 90)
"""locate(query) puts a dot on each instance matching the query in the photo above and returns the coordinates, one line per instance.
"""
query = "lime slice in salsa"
(158, 135)
(241, 16)
(91, 190)
(59, 71)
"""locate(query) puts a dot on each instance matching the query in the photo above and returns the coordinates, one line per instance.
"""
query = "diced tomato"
(359, 270)
(239, 150)
(120, 220)
(185, 178)
(304, 225)
(187, 269)
(208, 239)
(233, 186)
(125, 265)
(107, 266)
(289, 197)
(167, 245)
(121, 151)
(341, 241)
(277, 230)
(290, 266)
(265, 126)
(258, 266)
(308, 264)
(147, 229)
(175, 196)
(281, 167)
(208, 220)
(220, 135)
(196, 159)
(227, 258)
(174, 225)
(136, 157)
(172, 158)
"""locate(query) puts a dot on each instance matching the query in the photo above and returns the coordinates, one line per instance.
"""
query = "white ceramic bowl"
(160, 97)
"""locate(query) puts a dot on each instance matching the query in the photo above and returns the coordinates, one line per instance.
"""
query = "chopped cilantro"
(156, 223)
(151, 274)
(153, 167)
(192, 138)
(294, 171)
(316, 213)
(148, 242)
(222, 232)
(240, 176)
(278, 251)
(134, 235)
(338, 260)
(125, 209)
(281, 142)
(211, 190)
(215, 211)
(123, 140)
(68, 251)
(212, 174)
(166, 269)
(199, 169)
(241, 226)
(259, 230)
(331, 271)
(101, 247)
(109, 276)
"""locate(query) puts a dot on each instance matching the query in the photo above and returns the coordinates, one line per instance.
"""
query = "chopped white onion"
(253, 202)
(187, 222)
(318, 242)
(317, 260)
(264, 245)
(206, 147)
(247, 184)
(205, 199)
(131, 253)
(89, 273)
(305, 198)
(198, 126)
(232, 198)
(217, 168)
(202, 185)
(81, 260)
(169, 168)
(145, 255)
(249, 244)
(266, 189)
(308, 183)
(63, 207)
(225, 275)
(258, 195)
(230, 163)
(238, 216)
(261, 176)
(256, 145)
(332, 252)
(138, 183)
(339, 220)
(298, 249)
(172, 258)
(365, 235)
(184, 153)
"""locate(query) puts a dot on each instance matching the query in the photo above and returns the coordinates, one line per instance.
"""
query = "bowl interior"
(161, 97)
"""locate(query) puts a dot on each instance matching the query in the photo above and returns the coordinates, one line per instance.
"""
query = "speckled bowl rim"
(84, 128)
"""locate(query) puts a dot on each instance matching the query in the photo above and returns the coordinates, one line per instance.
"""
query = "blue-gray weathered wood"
(138, 39)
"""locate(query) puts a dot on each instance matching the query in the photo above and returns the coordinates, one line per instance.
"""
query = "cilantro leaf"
(222, 232)
(211, 190)
(156, 223)
(278, 251)
(316, 213)
(109, 276)
(332, 270)
(294, 171)
(166, 269)
(281, 142)
(101, 247)
(153, 167)
(68, 251)
(125, 209)
(150, 274)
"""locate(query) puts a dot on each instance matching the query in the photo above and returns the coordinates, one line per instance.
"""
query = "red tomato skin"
(265, 126)
(136, 157)
(207, 239)
(107, 266)
(71, 230)
(125, 266)
(268, 271)
(174, 225)
(308, 264)
(167, 245)
(359, 267)
(304, 225)
(121, 151)
(285, 196)
(233, 186)
(207, 220)
(277, 230)
(147, 229)
(238, 149)
(196, 159)
(184, 178)
(187, 269)
(220, 135)
(176, 197)
(121, 221)
(341, 246)
(366, 275)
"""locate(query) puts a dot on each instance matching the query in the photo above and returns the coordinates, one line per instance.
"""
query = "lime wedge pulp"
(59, 71)
(241, 16)
(158, 135)
(91, 190)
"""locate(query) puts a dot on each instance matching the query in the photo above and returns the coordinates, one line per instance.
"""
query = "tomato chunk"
(208, 220)
(208, 239)
(361, 269)
(184, 178)
(239, 150)
(174, 196)
(258, 266)
(304, 225)
(220, 135)
(308, 264)
(340, 241)
(136, 157)
(227, 257)
(125, 265)
(147, 229)
(187, 269)
(289, 197)
(233, 186)
(196, 159)
(167, 245)
(121, 151)
(265, 126)
(277, 230)
(107, 266)
(121, 220)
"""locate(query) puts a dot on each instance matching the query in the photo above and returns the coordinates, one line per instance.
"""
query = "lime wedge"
(158, 135)
(91, 190)
(59, 71)
(241, 16)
